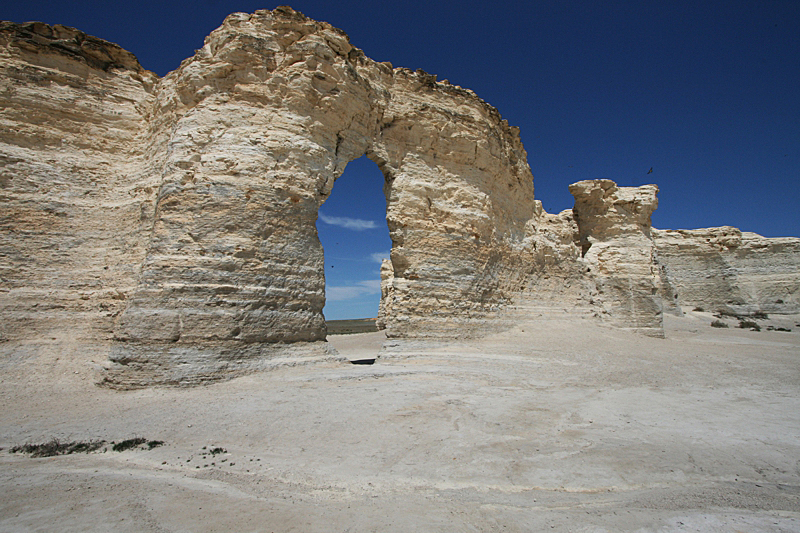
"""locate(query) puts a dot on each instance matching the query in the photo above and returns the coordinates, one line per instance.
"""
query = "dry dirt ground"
(556, 425)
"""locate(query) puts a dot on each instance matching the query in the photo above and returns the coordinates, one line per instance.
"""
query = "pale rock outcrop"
(263, 120)
(553, 279)
(170, 223)
(724, 269)
(617, 247)
(76, 181)
(387, 294)
(215, 174)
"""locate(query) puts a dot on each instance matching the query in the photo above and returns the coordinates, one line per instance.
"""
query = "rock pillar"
(617, 247)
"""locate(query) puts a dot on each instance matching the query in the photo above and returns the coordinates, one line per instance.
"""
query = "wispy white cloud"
(378, 257)
(356, 224)
(371, 285)
(351, 292)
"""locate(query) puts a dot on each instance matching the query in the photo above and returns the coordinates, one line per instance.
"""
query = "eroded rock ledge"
(171, 221)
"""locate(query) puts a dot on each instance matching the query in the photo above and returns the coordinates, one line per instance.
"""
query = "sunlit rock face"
(261, 121)
(724, 269)
(77, 180)
(170, 223)
(617, 247)
(192, 200)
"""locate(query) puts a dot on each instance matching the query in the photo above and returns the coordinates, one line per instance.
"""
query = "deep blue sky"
(707, 93)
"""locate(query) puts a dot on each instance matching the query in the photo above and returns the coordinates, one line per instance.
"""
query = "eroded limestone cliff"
(204, 188)
(77, 181)
(171, 222)
(724, 269)
(616, 244)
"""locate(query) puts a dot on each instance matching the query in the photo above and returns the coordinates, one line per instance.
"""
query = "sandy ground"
(555, 426)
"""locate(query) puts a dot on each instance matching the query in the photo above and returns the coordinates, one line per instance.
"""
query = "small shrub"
(698, 309)
(745, 324)
(719, 324)
(217, 450)
(128, 444)
(724, 312)
(783, 329)
(55, 447)
(760, 315)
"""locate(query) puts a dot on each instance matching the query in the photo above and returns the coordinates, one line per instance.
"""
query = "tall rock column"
(75, 193)
(617, 247)
(261, 122)
(459, 195)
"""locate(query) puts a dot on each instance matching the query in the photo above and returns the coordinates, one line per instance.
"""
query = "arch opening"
(352, 229)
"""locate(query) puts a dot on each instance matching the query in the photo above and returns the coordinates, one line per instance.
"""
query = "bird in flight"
(650, 171)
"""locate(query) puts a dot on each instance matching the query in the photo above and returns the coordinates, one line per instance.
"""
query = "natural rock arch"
(259, 124)
(169, 223)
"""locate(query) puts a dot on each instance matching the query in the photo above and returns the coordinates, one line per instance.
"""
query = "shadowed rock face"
(171, 222)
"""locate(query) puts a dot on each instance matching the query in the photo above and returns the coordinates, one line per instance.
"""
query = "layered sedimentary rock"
(597, 259)
(724, 269)
(387, 294)
(262, 121)
(615, 238)
(77, 181)
(172, 221)
(216, 174)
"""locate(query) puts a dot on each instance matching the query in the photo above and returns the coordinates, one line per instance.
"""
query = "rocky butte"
(168, 224)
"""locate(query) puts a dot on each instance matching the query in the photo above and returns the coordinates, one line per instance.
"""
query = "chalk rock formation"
(387, 294)
(262, 120)
(215, 175)
(553, 277)
(724, 269)
(171, 223)
(76, 181)
(615, 238)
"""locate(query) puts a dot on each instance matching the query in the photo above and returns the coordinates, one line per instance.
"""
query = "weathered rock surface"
(216, 174)
(77, 183)
(172, 222)
(616, 245)
(261, 122)
(724, 269)
(387, 294)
